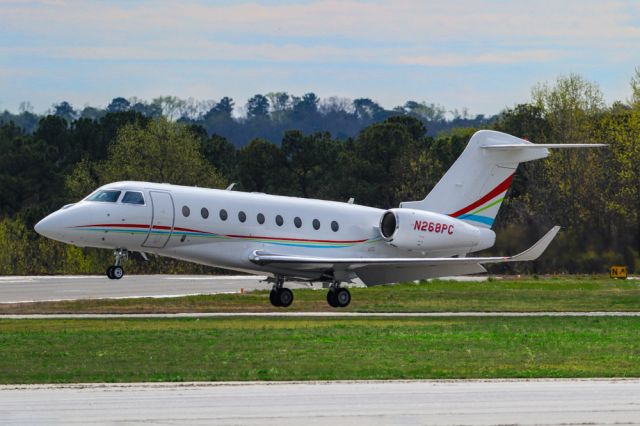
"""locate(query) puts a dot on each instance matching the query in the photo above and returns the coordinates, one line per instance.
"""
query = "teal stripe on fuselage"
(477, 218)
(208, 235)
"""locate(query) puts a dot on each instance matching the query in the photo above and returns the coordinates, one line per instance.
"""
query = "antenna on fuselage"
(230, 187)
(351, 200)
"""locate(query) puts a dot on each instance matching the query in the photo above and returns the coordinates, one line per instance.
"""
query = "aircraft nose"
(44, 227)
(49, 227)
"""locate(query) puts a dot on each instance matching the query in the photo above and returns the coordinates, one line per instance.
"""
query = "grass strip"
(582, 294)
(213, 349)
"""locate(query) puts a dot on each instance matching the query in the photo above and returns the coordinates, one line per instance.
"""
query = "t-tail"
(475, 186)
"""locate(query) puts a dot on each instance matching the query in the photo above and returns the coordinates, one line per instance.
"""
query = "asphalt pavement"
(488, 402)
(17, 289)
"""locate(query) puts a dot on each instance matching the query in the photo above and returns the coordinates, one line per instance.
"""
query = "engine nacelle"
(421, 230)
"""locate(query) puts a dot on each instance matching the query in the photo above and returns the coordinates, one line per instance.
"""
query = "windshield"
(105, 196)
(131, 197)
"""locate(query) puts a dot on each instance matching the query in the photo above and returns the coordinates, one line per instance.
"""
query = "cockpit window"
(131, 197)
(105, 196)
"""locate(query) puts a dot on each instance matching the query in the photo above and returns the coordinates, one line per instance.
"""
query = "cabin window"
(316, 224)
(204, 212)
(185, 211)
(298, 222)
(105, 196)
(242, 217)
(335, 226)
(279, 220)
(133, 197)
(223, 214)
(260, 218)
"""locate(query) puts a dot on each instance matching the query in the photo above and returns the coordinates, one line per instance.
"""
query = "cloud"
(202, 51)
(401, 21)
(324, 40)
(500, 58)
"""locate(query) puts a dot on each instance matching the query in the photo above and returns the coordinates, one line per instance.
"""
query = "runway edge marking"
(323, 315)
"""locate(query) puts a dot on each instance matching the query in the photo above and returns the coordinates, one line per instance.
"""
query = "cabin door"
(161, 219)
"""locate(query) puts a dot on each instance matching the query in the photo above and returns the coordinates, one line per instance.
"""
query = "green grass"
(527, 295)
(131, 350)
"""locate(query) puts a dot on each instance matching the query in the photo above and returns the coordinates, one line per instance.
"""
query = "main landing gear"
(338, 297)
(280, 297)
(116, 272)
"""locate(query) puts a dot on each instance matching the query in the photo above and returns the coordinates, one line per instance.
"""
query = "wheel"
(273, 298)
(332, 300)
(343, 297)
(110, 272)
(117, 272)
(285, 297)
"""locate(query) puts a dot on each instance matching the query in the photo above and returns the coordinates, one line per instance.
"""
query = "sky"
(480, 55)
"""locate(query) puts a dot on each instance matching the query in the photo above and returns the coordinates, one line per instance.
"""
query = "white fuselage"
(187, 223)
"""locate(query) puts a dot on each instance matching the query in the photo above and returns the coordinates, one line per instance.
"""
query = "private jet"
(308, 239)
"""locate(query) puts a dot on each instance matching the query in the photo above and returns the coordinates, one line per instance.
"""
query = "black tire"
(331, 298)
(285, 297)
(273, 298)
(117, 272)
(110, 272)
(343, 297)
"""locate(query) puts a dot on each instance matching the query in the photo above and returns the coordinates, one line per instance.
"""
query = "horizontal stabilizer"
(506, 147)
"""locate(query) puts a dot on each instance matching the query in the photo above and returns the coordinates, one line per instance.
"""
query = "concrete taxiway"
(522, 402)
(22, 289)
(16, 289)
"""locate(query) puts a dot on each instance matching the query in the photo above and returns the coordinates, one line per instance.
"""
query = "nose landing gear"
(116, 271)
(280, 297)
(338, 297)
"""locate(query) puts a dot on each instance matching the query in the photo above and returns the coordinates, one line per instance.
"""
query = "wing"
(373, 271)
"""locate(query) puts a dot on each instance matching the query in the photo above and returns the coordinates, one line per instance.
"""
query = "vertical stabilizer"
(475, 186)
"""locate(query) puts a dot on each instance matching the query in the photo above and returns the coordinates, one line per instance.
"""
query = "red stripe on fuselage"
(177, 229)
(135, 225)
(114, 225)
(495, 191)
(296, 239)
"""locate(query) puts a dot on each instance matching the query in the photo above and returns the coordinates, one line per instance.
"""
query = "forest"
(330, 149)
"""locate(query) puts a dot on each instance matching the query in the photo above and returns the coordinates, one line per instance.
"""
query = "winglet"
(536, 250)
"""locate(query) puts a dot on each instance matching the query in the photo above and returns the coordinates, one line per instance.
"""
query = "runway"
(521, 402)
(16, 289)
(24, 289)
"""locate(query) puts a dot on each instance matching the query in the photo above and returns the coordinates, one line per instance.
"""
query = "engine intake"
(388, 225)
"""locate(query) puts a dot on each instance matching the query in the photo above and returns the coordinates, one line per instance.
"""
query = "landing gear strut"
(280, 296)
(338, 297)
(116, 272)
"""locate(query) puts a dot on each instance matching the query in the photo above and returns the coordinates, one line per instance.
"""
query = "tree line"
(594, 194)
(267, 116)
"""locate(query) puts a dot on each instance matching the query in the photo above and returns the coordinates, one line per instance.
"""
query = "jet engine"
(421, 230)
